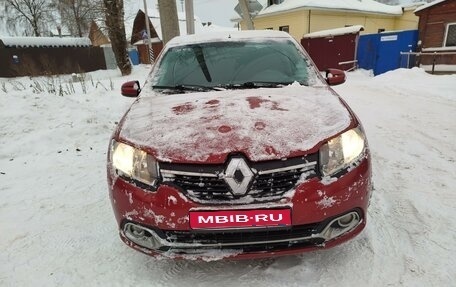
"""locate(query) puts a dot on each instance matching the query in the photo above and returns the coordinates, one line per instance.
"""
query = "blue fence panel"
(367, 51)
(134, 56)
(382, 52)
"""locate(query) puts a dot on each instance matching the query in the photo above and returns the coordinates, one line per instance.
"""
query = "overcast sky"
(216, 11)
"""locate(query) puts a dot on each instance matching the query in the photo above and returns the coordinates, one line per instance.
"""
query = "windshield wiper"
(255, 85)
(193, 88)
(198, 50)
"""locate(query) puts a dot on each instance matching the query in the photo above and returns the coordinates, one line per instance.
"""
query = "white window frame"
(446, 34)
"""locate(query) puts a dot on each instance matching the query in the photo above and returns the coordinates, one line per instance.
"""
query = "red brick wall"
(433, 23)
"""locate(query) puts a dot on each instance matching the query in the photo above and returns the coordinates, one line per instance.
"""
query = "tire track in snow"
(412, 159)
(171, 270)
(200, 273)
(394, 211)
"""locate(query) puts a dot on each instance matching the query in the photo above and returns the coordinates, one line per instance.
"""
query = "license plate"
(221, 219)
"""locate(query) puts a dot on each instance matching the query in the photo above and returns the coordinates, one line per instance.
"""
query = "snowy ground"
(57, 227)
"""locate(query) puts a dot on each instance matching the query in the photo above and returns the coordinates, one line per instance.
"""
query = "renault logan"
(237, 147)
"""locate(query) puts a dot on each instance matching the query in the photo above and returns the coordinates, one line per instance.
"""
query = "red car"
(237, 147)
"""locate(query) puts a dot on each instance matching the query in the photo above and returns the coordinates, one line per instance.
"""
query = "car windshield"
(247, 64)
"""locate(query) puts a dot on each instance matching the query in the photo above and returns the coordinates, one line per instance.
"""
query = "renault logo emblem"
(238, 176)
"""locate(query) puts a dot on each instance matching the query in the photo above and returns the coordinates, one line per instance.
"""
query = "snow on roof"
(429, 5)
(412, 5)
(335, 32)
(227, 36)
(144, 42)
(214, 28)
(45, 42)
(364, 6)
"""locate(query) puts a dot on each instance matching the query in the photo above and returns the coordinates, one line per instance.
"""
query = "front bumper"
(316, 206)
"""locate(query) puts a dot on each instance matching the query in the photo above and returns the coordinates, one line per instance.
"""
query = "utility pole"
(168, 19)
(246, 14)
(149, 42)
(189, 17)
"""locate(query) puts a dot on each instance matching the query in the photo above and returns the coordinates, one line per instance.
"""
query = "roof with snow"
(361, 6)
(412, 6)
(214, 28)
(335, 32)
(23, 42)
(430, 4)
(227, 36)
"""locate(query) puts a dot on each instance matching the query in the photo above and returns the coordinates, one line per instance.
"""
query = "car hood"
(262, 124)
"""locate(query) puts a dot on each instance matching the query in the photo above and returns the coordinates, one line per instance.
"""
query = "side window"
(450, 35)
(285, 29)
(276, 2)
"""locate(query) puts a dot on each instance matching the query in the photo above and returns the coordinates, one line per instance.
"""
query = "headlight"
(340, 152)
(134, 163)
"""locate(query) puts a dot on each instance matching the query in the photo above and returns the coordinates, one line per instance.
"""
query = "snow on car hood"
(263, 124)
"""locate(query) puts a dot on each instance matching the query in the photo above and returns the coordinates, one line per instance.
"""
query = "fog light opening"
(141, 236)
(341, 225)
(346, 220)
(136, 231)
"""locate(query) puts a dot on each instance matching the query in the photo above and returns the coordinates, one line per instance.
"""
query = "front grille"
(272, 179)
(204, 188)
(247, 248)
(248, 240)
(276, 184)
(241, 237)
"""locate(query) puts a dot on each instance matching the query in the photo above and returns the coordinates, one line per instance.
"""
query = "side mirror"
(131, 89)
(335, 77)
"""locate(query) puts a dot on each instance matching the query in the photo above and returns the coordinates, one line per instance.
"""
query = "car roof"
(221, 36)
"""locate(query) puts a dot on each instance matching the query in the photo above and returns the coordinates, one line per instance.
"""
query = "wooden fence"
(38, 61)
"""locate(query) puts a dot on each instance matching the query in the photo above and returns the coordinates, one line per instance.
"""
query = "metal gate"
(382, 52)
(332, 51)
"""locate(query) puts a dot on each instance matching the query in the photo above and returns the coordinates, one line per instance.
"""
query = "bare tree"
(33, 12)
(168, 19)
(76, 15)
(114, 12)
